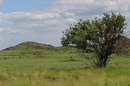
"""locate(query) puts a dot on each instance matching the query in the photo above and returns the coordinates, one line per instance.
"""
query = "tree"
(98, 36)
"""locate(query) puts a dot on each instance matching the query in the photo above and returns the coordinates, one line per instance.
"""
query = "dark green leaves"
(99, 35)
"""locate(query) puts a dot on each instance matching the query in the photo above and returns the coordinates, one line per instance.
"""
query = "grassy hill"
(28, 65)
(30, 45)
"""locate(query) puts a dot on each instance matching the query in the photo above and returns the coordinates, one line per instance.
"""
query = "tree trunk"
(102, 62)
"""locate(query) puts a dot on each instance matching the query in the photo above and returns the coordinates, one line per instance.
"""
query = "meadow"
(60, 67)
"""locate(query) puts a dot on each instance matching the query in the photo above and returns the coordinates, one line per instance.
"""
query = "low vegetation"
(59, 67)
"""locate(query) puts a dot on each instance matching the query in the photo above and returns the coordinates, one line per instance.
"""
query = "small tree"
(98, 36)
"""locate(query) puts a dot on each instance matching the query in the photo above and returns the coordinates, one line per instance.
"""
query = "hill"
(30, 45)
(124, 46)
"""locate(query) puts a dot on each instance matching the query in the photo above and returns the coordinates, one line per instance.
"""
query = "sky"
(44, 20)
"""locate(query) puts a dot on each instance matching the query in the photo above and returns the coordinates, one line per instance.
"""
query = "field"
(60, 67)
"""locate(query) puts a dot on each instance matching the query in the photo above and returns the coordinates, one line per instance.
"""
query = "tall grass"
(53, 68)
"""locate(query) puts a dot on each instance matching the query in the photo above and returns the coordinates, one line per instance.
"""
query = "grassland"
(59, 67)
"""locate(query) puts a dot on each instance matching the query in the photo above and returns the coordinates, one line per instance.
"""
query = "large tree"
(98, 36)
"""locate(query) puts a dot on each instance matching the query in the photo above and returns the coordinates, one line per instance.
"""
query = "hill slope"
(124, 46)
(30, 45)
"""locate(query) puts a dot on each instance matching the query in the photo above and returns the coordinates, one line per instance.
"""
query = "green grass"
(52, 67)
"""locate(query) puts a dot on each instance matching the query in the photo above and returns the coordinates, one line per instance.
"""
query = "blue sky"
(44, 20)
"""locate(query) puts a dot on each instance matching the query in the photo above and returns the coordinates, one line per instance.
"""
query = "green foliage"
(98, 36)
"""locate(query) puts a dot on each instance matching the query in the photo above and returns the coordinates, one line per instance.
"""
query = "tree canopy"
(98, 36)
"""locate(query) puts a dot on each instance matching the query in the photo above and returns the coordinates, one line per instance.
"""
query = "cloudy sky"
(44, 20)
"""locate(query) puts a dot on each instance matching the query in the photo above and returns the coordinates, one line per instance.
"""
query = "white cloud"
(73, 2)
(8, 30)
(33, 15)
(93, 5)
(90, 8)
(61, 14)
(26, 16)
